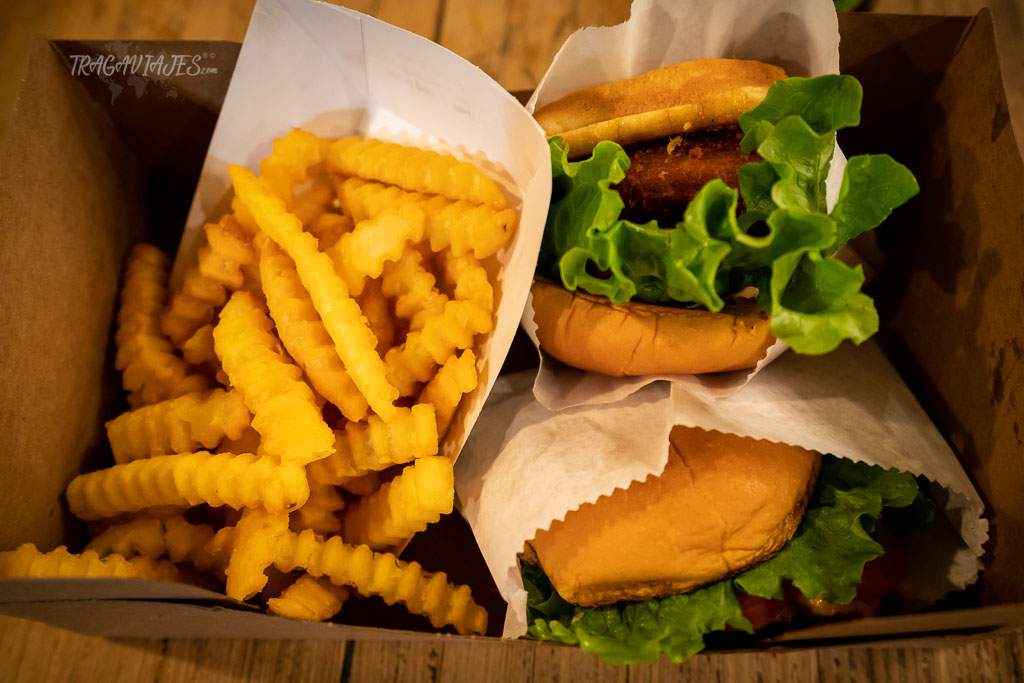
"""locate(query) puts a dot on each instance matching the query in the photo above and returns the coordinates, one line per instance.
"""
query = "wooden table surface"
(490, 34)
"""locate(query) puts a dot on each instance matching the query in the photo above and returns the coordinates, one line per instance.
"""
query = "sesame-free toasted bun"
(591, 333)
(702, 93)
(723, 504)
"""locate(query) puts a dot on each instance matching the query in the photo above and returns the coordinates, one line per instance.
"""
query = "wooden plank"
(27, 653)
(420, 17)
(514, 42)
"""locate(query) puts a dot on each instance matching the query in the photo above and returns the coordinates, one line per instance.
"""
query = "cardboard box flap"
(951, 286)
(909, 625)
(162, 98)
(75, 589)
(72, 202)
(70, 195)
(169, 619)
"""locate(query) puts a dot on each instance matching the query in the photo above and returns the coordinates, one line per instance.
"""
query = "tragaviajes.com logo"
(147, 65)
(137, 67)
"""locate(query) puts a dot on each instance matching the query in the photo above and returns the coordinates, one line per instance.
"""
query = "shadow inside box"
(449, 543)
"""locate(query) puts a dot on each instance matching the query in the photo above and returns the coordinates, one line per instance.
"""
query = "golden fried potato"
(418, 496)
(384, 575)
(28, 562)
(178, 425)
(309, 599)
(303, 333)
(415, 169)
(238, 481)
(150, 370)
(284, 408)
(341, 316)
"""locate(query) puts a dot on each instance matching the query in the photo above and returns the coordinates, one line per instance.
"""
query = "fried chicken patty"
(665, 174)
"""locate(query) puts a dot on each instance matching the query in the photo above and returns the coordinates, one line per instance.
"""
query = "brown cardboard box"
(89, 168)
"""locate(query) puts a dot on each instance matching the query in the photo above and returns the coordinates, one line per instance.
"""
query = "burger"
(688, 227)
(735, 533)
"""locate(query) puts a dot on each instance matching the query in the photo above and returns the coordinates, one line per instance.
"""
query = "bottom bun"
(591, 333)
(723, 504)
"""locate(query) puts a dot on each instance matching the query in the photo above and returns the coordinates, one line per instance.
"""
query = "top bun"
(703, 93)
(723, 504)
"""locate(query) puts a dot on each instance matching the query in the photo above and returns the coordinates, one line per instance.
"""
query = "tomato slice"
(884, 574)
(759, 611)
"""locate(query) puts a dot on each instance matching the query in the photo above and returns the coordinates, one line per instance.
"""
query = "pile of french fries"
(288, 400)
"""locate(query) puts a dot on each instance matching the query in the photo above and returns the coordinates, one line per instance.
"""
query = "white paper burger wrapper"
(801, 36)
(525, 466)
(335, 72)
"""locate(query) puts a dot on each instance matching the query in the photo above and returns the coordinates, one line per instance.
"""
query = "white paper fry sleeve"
(526, 467)
(335, 72)
(801, 36)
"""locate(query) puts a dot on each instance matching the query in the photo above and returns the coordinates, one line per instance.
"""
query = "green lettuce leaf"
(633, 632)
(781, 244)
(826, 558)
(872, 186)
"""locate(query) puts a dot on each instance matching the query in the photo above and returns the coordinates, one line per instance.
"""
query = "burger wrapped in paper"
(735, 533)
(681, 191)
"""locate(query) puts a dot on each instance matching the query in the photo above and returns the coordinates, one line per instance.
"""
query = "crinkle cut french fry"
(238, 481)
(469, 280)
(386, 576)
(178, 425)
(460, 226)
(150, 370)
(445, 389)
(363, 485)
(219, 547)
(414, 361)
(248, 442)
(415, 169)
(377, 309)
(28, 562)
(256, 541)
(309, 599)
(142, 536)
(362, 253)
(414, 290)
(323, 472)
(362, 199)
(328, 229)
(335, 468)
(198, 349)
(154, 538)
(404, 506)
(340, 313)
(284, 408)
(311, 202)
(303, 334)
(292, 158)
(188, 542)
(206, 285)
(320, 513)
(375, 445)
(228, 248)
(244, 216)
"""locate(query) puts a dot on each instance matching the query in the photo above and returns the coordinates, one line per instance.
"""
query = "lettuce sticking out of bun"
(824, 560)
(780, 242)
